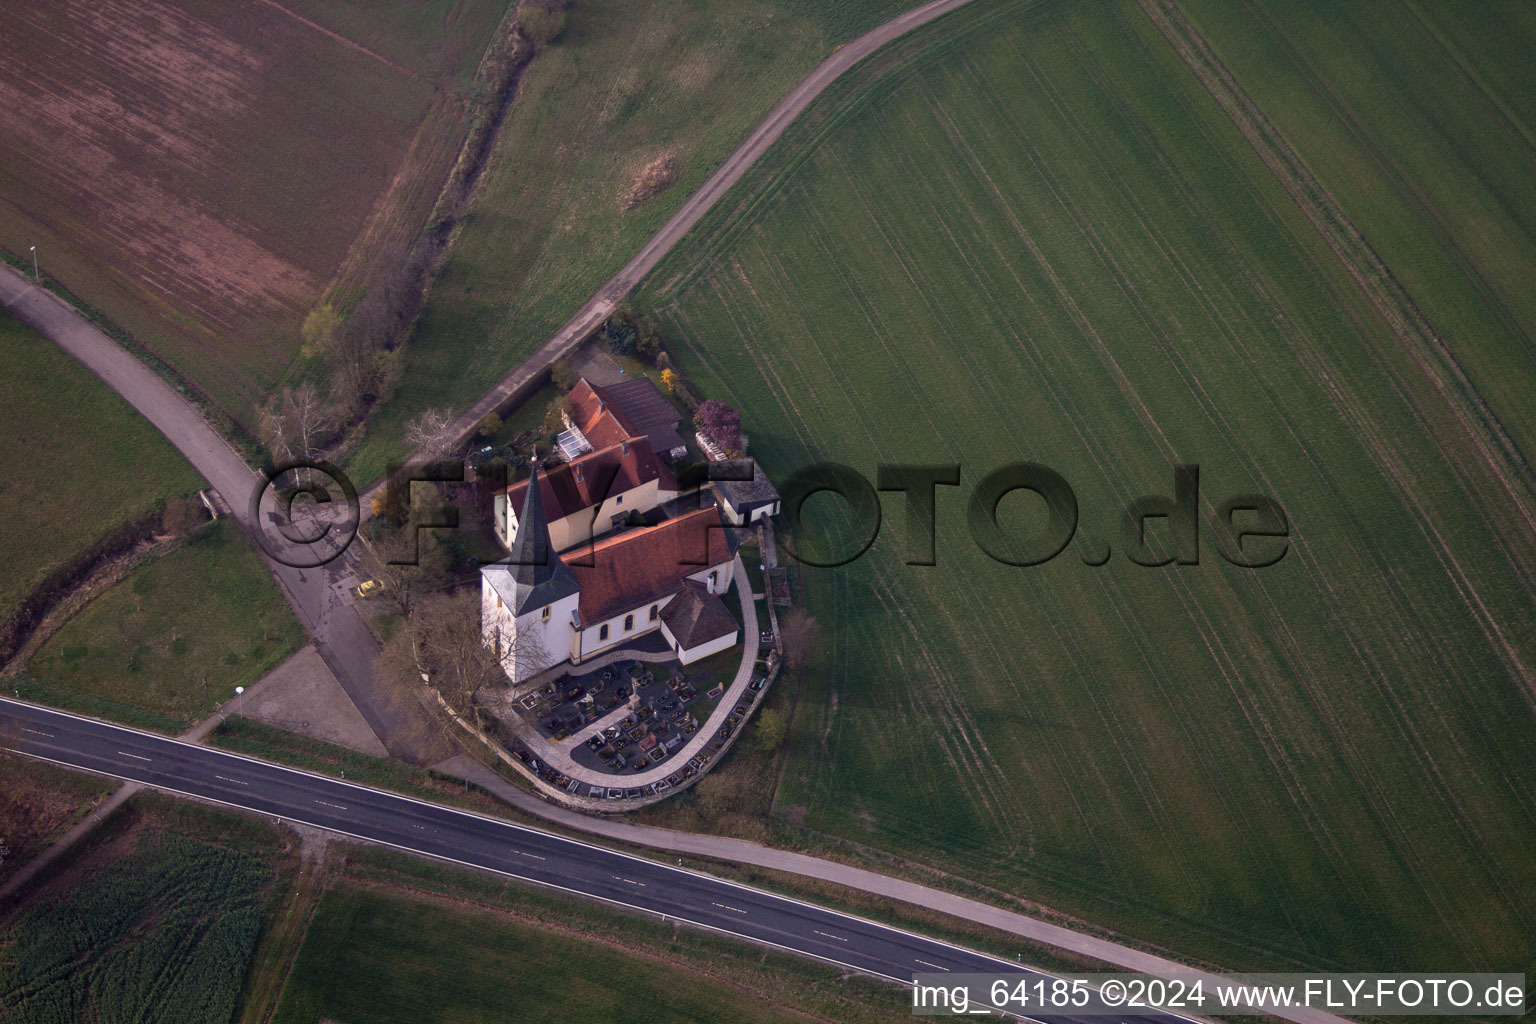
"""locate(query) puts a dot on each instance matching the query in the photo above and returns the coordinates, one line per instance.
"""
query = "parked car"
(595, 791)
(371, 588)
(615, 794)
(632, 793)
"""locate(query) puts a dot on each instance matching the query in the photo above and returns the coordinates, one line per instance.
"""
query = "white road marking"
(329, 804)
(525, 854)
(829, 935)
(50, 735)
(134, 756)
(737, 910)
(936, 967)
(235, 781)
(617, 878)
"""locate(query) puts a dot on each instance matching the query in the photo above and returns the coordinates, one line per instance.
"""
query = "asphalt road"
(487, 843)
(320, 596)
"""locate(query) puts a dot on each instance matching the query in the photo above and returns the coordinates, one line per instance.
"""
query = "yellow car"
(370, 588)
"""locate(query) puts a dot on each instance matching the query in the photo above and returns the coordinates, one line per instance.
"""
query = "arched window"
(629, 623)
(653, 612)
(602, 632)
(714, 578)
(546, 613)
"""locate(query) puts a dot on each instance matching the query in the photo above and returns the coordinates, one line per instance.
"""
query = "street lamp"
(34, 264)
(238, 691)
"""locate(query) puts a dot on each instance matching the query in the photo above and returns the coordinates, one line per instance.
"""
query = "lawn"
(176, 637)
(163, 931)
(202, 173)
(627, 84)
(1039, 238)
(76, 470)
(384, 957)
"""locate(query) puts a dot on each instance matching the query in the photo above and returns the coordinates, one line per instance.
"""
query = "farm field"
(1419, 119)
(146, 926)
(202, 173)
(38, 804)
(628, 85)
(1040, 238)
(71, 471)
(175, 638)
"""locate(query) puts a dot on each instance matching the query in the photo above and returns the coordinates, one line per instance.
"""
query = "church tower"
(528, 600)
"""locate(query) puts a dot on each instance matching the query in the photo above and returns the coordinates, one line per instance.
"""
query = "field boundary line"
(1386, 294)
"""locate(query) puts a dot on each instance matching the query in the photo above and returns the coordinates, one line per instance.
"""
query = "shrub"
(563, 376)
(718, 422)
(541, 20)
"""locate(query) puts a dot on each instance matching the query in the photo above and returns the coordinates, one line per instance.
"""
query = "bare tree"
(799, 637)
(410, 564)
(428, 434)
(294, 424)
(445, 642)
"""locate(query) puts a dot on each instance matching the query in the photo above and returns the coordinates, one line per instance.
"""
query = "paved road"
(319, 596)
(487, 843)
(591, 316)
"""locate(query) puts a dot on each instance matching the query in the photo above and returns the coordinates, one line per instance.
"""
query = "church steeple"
(538, 573)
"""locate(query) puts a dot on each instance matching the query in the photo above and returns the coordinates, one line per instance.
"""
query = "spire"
(540, 577)
(530, 543)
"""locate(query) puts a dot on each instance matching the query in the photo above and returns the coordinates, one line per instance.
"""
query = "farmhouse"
(604, 415)
(540, 609)
(592, 494)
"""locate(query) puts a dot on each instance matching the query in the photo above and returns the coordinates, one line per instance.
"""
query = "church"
(612, 579)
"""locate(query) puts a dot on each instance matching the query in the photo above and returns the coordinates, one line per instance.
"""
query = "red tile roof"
(595, 477)
(629, 569)
(597, 415)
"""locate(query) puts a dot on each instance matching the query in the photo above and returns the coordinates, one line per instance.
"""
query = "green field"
(384, 958)
(162, 933)
(71, 471)
(1420, 119)
(1038, 237)
(176, 637)
(626, 83)
(202, 173)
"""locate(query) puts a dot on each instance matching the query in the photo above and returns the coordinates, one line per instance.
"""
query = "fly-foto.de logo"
(1249, 530)
(307, 514)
